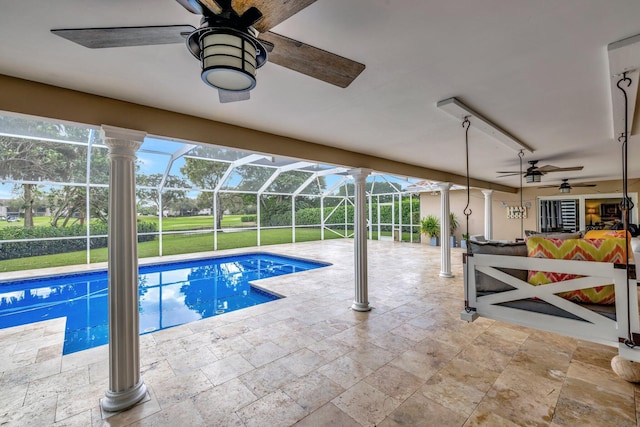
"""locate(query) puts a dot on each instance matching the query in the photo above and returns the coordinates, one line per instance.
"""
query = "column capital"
(113, 132)
(444, 186)
(487, 193)
(359, 173)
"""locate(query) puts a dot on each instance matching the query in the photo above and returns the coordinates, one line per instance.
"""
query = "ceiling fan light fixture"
(533, 176)
(565, 189)
(228, 60)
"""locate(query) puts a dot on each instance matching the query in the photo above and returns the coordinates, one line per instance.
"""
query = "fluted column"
(361, 301)
(445, 241)
(488, 214)
(126, 387)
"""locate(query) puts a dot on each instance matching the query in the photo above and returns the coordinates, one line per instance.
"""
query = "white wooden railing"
(593, 326)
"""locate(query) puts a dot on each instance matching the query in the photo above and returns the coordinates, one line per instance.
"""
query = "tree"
(170, 198)
(25, 159)
(69, 201)
(206, 174)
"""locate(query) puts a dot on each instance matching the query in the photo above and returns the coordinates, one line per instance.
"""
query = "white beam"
(624, 56)
(457, 109)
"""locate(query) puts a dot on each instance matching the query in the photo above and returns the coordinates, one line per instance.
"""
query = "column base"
(115, 401)
(446, 275)
(360, 306)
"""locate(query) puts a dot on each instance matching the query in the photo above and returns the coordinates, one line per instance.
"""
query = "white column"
(361, 301)
(126, 387)
(445, 241)
(488, 214)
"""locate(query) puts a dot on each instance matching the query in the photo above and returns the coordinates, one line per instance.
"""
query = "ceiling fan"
(534, 173)
(565, 187)
(231, 43)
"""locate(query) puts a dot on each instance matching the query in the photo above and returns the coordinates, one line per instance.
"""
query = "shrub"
(12, 250)
(248, 218)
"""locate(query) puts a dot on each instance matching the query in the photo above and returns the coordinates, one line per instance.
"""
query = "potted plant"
(430, 225)
(463, 242)
(453, 226)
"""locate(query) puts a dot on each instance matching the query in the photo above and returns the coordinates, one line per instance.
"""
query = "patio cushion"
(603, 250)
(486, 283)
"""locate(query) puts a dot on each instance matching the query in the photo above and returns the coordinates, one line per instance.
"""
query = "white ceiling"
(538, 69)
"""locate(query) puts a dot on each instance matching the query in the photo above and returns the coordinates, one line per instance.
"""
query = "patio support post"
(126, 387)
(361, 301)
(488, 214)
(445, 241)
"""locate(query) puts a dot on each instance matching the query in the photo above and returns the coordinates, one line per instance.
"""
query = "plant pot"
(452, 241)
(434, 241)
(463, 244)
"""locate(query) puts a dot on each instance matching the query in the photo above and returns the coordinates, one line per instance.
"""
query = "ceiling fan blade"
(98, 38)
(508, 174)
(511, 172)
(313, 62)
(548, 186)
(212, 5)
(192, 6)
(227, 96)
(551, 168)
(274, 11)
(583, 185)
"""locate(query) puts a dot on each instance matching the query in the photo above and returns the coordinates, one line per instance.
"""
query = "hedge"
(311, 216)
(48, 247)
(248, 218)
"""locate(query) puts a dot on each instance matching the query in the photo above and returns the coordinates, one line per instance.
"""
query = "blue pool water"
(171, 294)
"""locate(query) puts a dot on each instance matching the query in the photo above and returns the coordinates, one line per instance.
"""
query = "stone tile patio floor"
(307, 360)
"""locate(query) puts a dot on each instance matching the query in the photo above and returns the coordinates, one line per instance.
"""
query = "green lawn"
(38, 221)
(183, 223)
(168, 224)
(172, 245)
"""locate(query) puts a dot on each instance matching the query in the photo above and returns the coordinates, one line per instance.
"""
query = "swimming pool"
(170, 294)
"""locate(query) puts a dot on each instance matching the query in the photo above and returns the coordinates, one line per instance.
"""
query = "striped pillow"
(603, 250)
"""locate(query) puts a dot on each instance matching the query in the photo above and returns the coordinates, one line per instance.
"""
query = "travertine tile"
(345, 371)
(80, 420)
(42, 413)
(264, 353)
(419, 410)
(289, 362)
(183, 363)
(366, 404)
(267, 378)
(182, 413)
(395, 382)
(226, 369)
(371, 355)
(217, 405)
(302, 362)
(459, 386)
(581, 402)
(79, 399)
(600, 377)
(312, 391)
(148, 406)
(179, 388)
(274, 409)
(328, 415)
(53, 385)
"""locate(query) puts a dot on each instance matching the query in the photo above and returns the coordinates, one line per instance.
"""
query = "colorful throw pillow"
(603, 250)
(608, 234)
(605, 234)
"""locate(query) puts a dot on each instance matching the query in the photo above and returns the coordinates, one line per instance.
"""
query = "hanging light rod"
(624, 57)
(458, 110)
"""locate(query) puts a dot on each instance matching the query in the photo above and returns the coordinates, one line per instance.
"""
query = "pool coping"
(100, 266)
